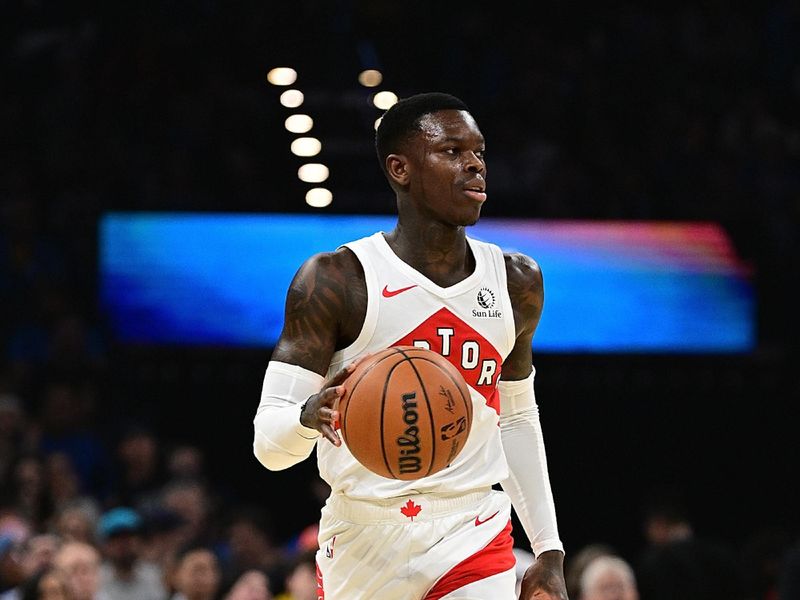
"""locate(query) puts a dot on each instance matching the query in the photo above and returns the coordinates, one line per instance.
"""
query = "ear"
(397, 169)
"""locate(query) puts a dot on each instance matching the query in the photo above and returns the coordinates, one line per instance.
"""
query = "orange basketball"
(406, 412)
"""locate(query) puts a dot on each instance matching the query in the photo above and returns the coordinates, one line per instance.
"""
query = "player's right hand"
(321, 412)
(544, 579)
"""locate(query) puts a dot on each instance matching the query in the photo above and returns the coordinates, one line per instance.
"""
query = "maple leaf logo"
(410, 509)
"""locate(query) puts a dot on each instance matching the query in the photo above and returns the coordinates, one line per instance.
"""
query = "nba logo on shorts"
(329, 547)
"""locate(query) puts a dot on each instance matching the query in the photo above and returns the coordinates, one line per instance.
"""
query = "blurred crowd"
(139, 520)
(142, 520)
(688, 112)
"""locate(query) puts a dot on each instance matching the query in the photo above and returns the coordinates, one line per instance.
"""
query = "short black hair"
(402, 120)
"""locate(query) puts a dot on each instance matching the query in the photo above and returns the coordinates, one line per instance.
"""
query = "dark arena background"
(626, 115)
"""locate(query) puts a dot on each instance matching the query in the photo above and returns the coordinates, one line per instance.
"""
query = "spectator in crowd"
(250, 543)
(77, 519)
(608, 578)
(33, 555)
(28, 490)
(301, 579)
(67, 427)
(9, 570)
(80, 563)
(123, 574)
(196, 574)
(576, 565)
(14, 530)
(677, 563)
(250, 585)
(13, 434)
(761, 562)
(139, 468)
(191, 501)
(47, 584)
(61, 478)
(186, 462)
(163, 534)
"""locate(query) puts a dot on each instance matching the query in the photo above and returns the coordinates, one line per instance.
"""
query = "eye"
(451, 150)
(481, 153)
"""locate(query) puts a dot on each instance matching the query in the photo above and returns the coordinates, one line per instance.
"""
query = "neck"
(438, 251)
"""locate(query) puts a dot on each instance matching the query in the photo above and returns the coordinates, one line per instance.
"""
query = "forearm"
(279, 440)
(528, 483)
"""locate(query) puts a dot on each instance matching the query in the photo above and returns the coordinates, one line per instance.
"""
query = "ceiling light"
(306, 146)
(292, 98)
(385, 100)
(299, 123)
(313, 173)
(282, 76)
(370, 78)
(319, 197)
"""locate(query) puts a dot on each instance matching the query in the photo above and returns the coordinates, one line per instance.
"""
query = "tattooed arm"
(526, 289)
(529, 484)
(325, 308)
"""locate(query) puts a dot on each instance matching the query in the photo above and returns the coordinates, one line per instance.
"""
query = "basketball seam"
(430, 411)
(467, 406)
(383, 410)
(450, 375)
(355, 385)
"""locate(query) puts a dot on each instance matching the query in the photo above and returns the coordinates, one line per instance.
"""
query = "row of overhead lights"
(300, 124)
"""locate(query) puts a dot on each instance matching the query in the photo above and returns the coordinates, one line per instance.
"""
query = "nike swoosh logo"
(387, 293)
(479, 522)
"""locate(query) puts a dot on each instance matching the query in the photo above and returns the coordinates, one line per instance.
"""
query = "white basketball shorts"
(427, 547)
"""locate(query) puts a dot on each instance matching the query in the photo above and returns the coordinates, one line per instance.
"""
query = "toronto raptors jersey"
(470, 323)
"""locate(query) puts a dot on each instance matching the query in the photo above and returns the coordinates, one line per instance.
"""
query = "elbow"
(271, 460)
(273, 457)
(283, 452)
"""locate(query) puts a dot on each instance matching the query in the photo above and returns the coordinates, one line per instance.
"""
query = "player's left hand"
(544, 579)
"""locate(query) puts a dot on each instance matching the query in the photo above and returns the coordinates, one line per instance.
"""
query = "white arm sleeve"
(280, 441)
(528, 483)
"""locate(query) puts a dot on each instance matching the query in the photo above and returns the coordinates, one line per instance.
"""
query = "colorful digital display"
(610, 287)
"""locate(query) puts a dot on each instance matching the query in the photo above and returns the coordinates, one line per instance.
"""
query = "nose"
(474, 163)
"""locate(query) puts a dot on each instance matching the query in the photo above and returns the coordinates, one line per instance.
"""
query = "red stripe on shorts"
(496, 557)
(320, 589)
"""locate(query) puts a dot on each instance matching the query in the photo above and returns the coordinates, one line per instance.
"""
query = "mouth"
(476, 190)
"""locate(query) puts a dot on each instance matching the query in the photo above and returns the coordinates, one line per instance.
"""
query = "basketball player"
(427, 284)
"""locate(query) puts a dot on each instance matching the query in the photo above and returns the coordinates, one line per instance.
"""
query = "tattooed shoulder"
(319, 307)
(526, 289)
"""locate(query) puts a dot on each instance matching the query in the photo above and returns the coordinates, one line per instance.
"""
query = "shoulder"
(525, 289)
(523, 273)
(328, 298)
(327, 279)
(338, 266)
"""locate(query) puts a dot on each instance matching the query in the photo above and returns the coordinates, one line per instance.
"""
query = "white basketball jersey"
(470, 323)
